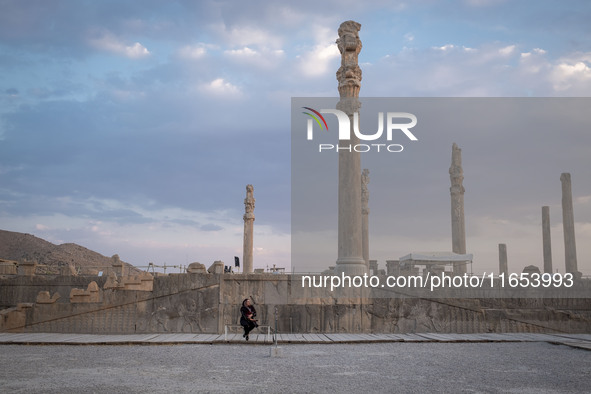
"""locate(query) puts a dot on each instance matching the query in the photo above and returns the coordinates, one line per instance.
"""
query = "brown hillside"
(18, 247)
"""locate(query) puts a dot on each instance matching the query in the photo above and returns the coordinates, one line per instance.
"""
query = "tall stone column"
(365, 215)
(503, 268)
(546, 239)
(249, 201)
(458, 229)
(568, 223)
(350, 249)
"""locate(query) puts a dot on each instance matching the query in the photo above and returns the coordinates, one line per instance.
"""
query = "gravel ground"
(536, 367)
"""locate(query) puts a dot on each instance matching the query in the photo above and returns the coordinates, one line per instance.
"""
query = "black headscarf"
(247, 310)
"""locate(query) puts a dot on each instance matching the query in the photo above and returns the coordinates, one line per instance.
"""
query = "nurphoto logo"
(392, 120)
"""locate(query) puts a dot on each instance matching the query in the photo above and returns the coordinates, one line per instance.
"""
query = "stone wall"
(205, 303)
(19, 288)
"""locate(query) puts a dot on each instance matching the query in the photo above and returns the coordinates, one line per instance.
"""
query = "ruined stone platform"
(582, 341)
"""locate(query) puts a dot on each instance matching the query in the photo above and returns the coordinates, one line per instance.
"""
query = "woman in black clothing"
(247, 320)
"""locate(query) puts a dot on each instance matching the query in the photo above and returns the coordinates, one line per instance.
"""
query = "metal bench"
(260, 327)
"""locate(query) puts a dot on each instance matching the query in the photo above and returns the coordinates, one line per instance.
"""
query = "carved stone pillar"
(546, 239)
(568, 223)
(247, 265)
(503, 268)
(458, 229)
(350, 244)
(365, 215)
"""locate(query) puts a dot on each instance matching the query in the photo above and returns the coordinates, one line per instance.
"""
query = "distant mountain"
(19, 247)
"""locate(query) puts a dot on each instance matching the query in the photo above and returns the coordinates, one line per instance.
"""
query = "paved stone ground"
(516, 367)
(582, 341)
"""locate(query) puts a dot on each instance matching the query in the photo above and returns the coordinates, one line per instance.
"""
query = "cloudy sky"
(133, 127)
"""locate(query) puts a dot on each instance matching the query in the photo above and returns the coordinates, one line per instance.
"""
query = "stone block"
(329, 271)
(531, 269)
(142, 282)
(196, 268)
(44, 297)
(112, 282)
(68, 270)
(13, 320)
(91, 294)
(8, 267)
(27, 268)
(216, 268)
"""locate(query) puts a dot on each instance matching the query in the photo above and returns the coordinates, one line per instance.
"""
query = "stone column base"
(351, 266)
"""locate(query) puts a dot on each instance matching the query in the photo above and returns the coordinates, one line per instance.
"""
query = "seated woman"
(247, 320)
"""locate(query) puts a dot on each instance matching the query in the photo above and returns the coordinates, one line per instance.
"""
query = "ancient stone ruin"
(206, 300)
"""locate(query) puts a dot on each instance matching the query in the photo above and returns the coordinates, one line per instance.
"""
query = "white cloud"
(573, 73)
(244, 52)
(577, 69)
(533, 62)
(192, 52)
(452, 47)
(508, 50)
(241, 36)
(409, 37)
(264, 58)
(446, 47)
(536, 52)
(221, 87)
(317, 61)
(110, 43)
(136, 50)
(490, 69)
